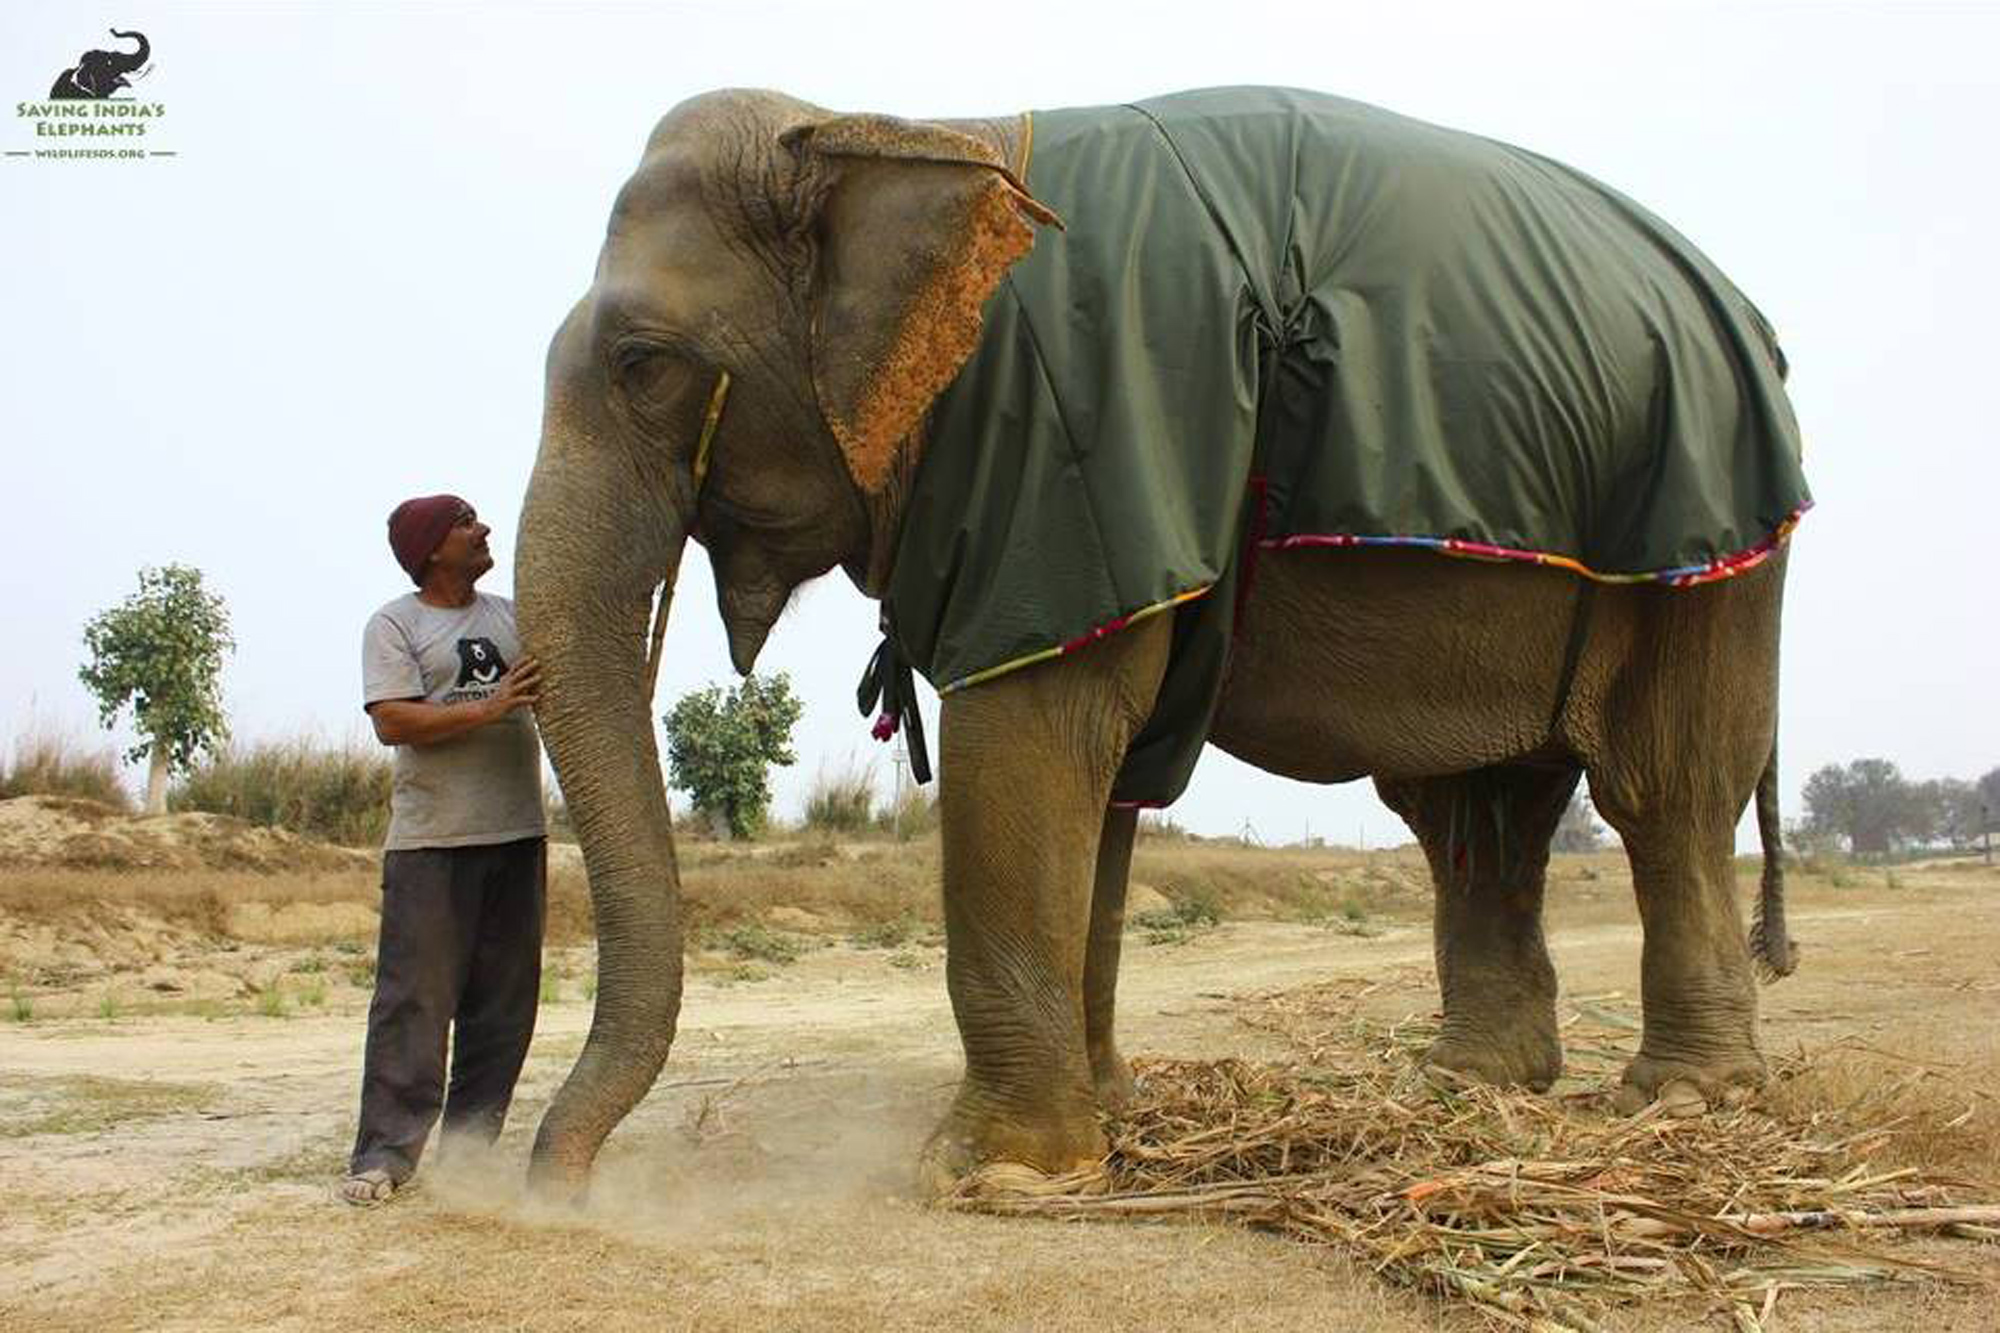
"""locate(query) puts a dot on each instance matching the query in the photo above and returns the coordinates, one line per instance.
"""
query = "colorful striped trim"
(1109, 627)
(1683, 576)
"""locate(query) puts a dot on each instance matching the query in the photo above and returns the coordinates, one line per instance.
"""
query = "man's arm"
(415, 722)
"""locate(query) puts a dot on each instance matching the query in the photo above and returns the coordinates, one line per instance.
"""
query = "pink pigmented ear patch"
(933, 335)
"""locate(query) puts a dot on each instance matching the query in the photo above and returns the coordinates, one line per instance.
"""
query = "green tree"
(160, 651)
(721, 744)
(1868, 803)
(1950, 810)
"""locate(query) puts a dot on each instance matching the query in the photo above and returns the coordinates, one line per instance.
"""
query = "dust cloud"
(774, 1148)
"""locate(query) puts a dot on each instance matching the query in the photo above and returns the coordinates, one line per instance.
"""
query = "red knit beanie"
(417, 526)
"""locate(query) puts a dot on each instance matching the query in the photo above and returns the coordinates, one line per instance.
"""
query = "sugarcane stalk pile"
(1542, 1211)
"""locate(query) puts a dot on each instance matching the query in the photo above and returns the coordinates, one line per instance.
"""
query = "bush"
(1195, 902)
(843, 802)
(720, 744)
(754, 941)
(335, 793)
(47, 763)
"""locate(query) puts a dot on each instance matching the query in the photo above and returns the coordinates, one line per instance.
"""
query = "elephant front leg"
(1486, 836)
(1109, 1073)
(1027, 766)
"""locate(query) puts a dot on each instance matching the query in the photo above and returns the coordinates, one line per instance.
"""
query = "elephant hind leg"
(1684, 733)
(1108, 1070)
(1486, 835)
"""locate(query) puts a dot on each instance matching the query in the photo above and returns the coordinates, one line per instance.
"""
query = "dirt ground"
(165, 1157)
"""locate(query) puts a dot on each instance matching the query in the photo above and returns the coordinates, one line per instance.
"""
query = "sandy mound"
(72, 833)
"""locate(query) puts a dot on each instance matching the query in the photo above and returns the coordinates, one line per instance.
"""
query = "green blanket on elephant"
(1277, 318)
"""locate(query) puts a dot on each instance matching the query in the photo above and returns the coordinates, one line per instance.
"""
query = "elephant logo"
(98, 74)
(479, 662)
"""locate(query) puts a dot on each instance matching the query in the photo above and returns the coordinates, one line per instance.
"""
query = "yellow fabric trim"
(980, 677)
(708, 425)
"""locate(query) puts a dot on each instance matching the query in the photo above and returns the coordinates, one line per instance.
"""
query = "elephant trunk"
(591, 548)
(124, 63)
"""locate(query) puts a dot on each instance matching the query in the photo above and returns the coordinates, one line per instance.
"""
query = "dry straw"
(1543, 1212)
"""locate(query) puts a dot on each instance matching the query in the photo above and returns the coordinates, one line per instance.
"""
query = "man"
(464, 866)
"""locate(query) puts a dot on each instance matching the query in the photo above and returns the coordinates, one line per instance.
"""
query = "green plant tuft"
(891, 934)
(753, 940)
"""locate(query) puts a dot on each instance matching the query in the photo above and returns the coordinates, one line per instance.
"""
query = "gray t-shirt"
(481, 786)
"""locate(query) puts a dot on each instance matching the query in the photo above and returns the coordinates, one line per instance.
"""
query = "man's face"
(463, 550)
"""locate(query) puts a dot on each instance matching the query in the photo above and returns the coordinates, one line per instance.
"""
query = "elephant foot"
(1531, 1058)
(1112, 1078)
(980, 1151)
(1018, 1180)
(1687, 1087)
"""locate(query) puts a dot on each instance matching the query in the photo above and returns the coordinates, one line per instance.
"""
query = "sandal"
(366, 1189)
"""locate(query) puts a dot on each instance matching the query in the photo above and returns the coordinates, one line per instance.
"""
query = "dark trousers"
(461, 953)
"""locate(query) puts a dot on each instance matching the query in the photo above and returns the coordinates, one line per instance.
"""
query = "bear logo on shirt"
(479, 662)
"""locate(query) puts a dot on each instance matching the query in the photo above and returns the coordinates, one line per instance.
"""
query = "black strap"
(1579, 631)
(890, 682)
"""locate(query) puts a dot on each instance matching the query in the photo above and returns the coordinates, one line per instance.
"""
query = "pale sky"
(339, 293)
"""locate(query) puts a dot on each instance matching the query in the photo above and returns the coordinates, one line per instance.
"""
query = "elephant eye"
(663, 391)
(646, 374)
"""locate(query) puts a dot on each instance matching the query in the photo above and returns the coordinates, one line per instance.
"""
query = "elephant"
(976, 355)
(98, 74)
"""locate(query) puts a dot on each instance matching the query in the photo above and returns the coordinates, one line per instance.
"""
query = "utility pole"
(899, 757)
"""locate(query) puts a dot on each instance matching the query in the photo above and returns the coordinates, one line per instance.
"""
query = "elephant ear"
(916, 228)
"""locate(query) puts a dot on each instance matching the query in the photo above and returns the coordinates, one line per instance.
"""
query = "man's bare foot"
(365, 1189)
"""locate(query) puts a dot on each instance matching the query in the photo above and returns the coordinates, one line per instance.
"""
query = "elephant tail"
(1770, 943)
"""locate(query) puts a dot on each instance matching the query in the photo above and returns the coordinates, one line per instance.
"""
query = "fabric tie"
(889, 682)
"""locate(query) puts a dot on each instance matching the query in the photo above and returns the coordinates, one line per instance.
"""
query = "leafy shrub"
(335, 793)
(720, 744)
(1194, 906)
(47, 763)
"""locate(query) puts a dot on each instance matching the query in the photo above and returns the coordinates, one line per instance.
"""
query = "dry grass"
(1940, 1111)
(337, 793)
(841, 802)
(196, 900)
(46, 762)
(1542, 1212)
(1285, 883)
(88, 1104)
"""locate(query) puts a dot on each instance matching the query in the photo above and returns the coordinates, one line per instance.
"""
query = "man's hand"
(415, 722)
(519, 688)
